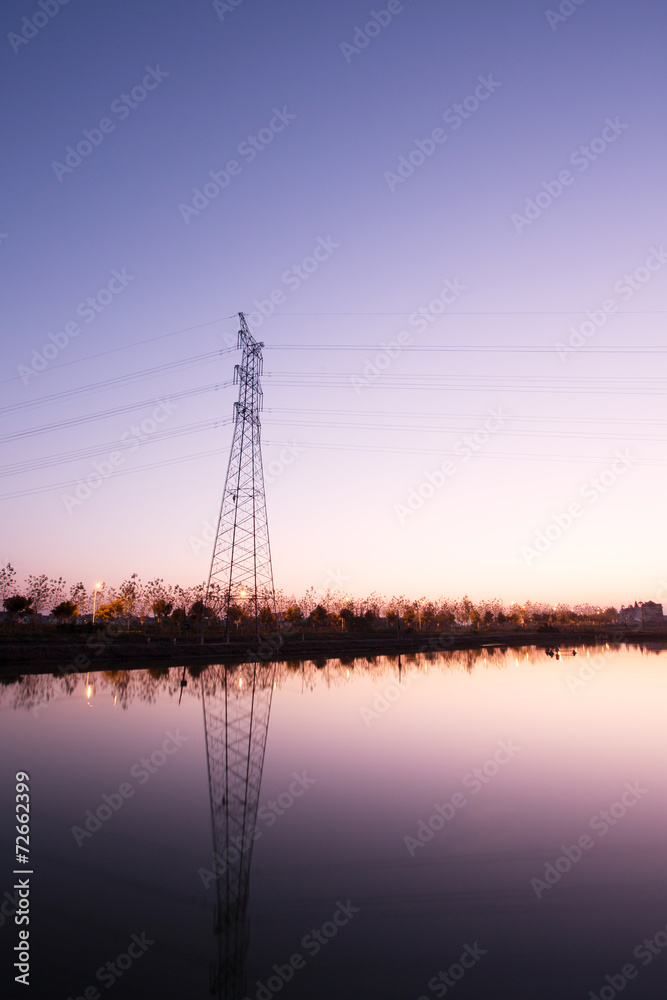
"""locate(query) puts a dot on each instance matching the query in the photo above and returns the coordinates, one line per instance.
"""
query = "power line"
(219, 319)
(100, 386)
(518, 457)
(453, 315)
(87, 418)
(169, 367)
(99, 450)
(115, 350)
(73, 483)
(318, 446)
(468, 349)
(635, 385)
(543, 378)
(577, 435)
(466, 416)
(616, 386)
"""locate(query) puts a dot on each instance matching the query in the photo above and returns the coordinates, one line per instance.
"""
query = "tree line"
(162, 603)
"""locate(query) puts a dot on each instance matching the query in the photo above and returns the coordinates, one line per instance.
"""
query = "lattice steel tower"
(236, 708)
(241, 563)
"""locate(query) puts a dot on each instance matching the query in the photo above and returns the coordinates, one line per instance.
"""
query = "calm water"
(347, 881)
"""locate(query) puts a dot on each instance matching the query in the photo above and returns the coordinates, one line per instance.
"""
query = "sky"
(444, 221)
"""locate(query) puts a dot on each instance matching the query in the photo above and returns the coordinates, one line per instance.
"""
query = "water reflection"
(34, 691)
(385, 738)
(236, 707)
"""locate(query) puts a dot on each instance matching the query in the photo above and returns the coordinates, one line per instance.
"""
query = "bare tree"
(79, 595)
(44, 591)
(7, 581)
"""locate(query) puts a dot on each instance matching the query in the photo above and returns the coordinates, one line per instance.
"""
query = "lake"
(486, 823)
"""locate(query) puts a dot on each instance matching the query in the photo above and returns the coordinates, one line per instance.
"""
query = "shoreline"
(92, 652)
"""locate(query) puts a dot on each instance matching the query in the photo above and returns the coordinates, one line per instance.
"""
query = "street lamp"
(98, 586)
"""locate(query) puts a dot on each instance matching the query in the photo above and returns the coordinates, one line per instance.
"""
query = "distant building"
(652, 613)
(649, 613)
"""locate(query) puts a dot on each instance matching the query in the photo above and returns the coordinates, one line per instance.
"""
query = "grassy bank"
(41, 651)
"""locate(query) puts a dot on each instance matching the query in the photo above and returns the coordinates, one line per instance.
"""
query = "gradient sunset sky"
(498, 166)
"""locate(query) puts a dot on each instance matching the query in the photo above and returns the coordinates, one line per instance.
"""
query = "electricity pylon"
(236, 720)
(241, 563)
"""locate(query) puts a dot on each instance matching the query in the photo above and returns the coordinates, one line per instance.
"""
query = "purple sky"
(411, 203)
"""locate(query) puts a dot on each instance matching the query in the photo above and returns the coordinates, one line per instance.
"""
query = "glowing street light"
(98, 586)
